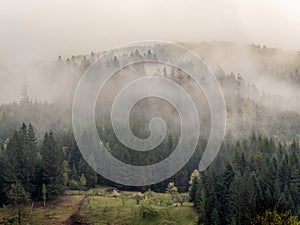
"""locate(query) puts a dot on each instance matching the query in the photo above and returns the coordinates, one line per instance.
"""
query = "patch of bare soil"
(76, 219)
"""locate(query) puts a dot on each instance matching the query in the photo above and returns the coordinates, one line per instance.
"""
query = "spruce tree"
(52, 166)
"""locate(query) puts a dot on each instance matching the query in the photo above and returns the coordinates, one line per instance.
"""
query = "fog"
(34, 33)
(258, 83)
(269, 69)
(35, 30)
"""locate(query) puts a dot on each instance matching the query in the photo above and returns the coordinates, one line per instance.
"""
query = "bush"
(73, 184)
(148, 210)
(274, 218)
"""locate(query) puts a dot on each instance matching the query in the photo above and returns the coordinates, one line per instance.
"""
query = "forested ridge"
(257, 170)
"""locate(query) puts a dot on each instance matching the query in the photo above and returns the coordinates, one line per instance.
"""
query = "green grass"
(103, 208)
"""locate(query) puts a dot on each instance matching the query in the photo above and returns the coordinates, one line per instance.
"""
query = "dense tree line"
(251, 174)
(257, 175)
(30, 165)
(56, 163)
(248, 177)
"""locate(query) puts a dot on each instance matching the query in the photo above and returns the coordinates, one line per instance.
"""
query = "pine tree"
(18, 196)
(52, 170)
(29, 157)
(20, 159)
(236, 202)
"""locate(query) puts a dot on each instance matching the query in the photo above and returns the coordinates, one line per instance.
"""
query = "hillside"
(99, 207)
(255, 172)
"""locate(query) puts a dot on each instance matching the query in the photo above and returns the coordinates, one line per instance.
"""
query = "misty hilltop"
(258, 65)
(260, 86)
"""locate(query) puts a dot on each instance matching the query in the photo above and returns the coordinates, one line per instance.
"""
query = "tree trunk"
(31, 209)
(19, 216)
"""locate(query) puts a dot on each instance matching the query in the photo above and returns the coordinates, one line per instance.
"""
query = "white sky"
(34, 29)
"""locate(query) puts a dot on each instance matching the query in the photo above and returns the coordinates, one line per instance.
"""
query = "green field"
(104, 208)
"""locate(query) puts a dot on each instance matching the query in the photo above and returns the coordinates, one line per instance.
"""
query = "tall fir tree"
(52, 166)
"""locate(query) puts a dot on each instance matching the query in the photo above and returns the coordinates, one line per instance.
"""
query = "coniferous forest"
(255, 177)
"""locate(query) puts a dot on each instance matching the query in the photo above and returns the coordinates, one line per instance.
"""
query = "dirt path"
(82, 203)
(76, 218)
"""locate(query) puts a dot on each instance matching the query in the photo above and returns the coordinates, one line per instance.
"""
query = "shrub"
(148, 210)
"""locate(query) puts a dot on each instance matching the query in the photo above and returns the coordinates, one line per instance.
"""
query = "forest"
(255, 177)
